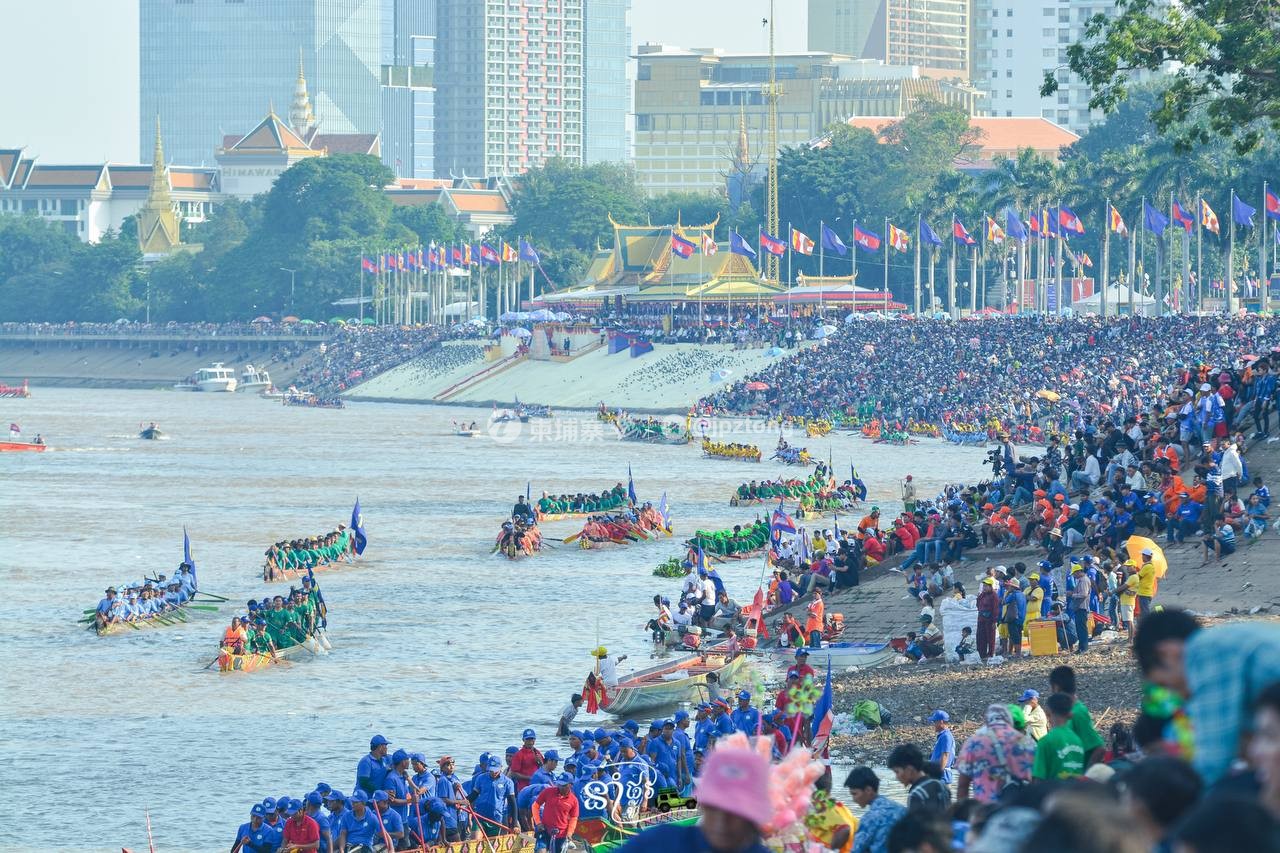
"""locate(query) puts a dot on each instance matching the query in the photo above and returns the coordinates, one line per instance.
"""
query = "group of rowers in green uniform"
(740, 539)
(773, 489)
(285, 559)
(276, 623)
(611, 499)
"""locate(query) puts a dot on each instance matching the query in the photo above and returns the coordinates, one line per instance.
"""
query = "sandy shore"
(668, 380)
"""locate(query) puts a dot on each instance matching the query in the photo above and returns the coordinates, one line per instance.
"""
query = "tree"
(1227, 55)
(429, 224)
(690, 208)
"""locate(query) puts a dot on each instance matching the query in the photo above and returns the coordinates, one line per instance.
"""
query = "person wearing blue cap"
(396, 785)
(546, 773)
(373, 768)
(495, 800)
(275, 816)
(664, 751)
(311, 806)
(335, 804)
(608, 748)
(944, 745)
(524, 804)
(555, 814)
(1037, 722)
(525, 761)
(745, 718)
(685, 742)
(301, 832)
(358, 825)
(255, 836)
(390, 823)
(450, 791)
(429, 819)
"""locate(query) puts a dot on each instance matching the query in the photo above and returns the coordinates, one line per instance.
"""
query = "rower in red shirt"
(301, 832)
(802, 667)
(526, 761)
(555, 813)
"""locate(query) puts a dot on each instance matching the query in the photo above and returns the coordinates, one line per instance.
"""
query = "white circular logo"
(505, 432)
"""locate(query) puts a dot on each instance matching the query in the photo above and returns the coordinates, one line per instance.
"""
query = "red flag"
(772, 244)
(1273, 205)
(958, 231)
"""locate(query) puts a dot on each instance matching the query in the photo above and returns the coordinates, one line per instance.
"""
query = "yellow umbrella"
(1136, 544)
(1051, 396)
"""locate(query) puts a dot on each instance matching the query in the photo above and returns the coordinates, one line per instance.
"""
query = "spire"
(157, 222)
(301, 117)
(742, 156)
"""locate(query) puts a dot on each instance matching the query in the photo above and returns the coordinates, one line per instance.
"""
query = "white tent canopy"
(1117, 301)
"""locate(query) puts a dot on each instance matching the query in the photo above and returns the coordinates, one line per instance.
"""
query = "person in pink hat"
(733, 801)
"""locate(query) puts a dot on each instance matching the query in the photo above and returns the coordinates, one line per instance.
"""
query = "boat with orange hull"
(22, 446)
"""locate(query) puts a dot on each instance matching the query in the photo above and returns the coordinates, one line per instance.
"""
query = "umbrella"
(1135, 545)
(1051, 396)
(850, 317)
(542, 314)
(771, 351)
(289, 319)
(369, 321)
(307, 322)
(262, 319)
(757, 386)
(353, 321)
(522, 333)
(721, 375)
(337, 321)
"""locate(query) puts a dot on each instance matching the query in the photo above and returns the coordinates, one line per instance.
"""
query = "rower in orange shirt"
(816, 621)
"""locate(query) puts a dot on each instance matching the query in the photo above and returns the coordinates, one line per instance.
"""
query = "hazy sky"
(71, 66)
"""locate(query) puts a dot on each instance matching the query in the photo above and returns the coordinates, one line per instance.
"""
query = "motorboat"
(253, 379)
(271, 392)
(214, 378)
(667, 684)
(151, 433)
(840, 655)
(19, 446)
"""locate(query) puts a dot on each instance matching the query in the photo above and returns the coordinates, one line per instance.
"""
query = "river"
(436, 644)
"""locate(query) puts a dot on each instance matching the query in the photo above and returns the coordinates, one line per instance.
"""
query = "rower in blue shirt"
(255, 836)
(173, 596)
(397, 783)
(593, 796)
(451, 791)
(745, 718)
(546, 774)
(372, 770)
(722, 723)
(703, 724)
(392, 824)
(606, 744)
(685, 742)
(105, 605)
(358, 825)
(335, 806)
(665, 752)
(311, 805)
(495, 796)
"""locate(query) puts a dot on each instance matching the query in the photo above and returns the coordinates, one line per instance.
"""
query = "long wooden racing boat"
(603, 835)
(170, 617)
(559, 516)
(840, 654)
(251, 662)
(672, 682)
(290, 574)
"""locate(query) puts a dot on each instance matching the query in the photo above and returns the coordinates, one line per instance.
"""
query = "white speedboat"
(214, 378)
(861, 655)
(253, 379)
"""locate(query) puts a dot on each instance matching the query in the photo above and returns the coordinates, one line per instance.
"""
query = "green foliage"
(669, 568)
(46, 272)
(1227, 54)
(429, 224)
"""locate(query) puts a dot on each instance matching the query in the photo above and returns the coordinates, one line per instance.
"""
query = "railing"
(479, 376)
(162, 335)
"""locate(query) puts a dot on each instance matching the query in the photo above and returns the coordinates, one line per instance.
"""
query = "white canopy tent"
(1117, 302)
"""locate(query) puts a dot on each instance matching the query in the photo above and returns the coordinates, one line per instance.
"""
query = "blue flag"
(831, 241)
(528, 491)
(927, 235)
(528, 254)
(738, 246)
(822, 713)
(664, 512)
(1013, 225)
(186, 557)
(859, 487)
(357, 529)
(1155, 221)
(1241, 212)
(631, 487)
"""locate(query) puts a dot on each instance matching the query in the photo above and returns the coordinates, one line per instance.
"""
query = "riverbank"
(668, 380)
(93, 364)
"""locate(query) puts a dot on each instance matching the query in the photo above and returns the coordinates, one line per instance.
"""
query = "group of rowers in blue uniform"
(145, 600)
(402, 801)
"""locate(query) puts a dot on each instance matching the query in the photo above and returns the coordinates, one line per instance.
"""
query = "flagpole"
(822, 227)
(853, 254)
(1264, 282)
(1185, 299)
(1020, 269)
(1231, 257)
(1133, 258)
(790, 252)
(951, 273)
(702, 285)
(884, 246)
(1200, 257)
(532, 265)
(973, 278)
(933, 265)
(361, 287)
(916, 295)
(1106, 261)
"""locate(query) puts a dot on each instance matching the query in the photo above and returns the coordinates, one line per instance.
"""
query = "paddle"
(569, 540)
(211, 595)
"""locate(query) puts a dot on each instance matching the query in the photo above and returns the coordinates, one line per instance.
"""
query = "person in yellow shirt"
(1129, 595)
(830, 822)
(1035, 600)
(1146, 583)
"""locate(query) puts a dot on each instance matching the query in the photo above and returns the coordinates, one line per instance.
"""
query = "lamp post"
(292, 274)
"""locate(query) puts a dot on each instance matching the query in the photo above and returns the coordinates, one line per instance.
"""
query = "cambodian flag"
(1069, 221)
(772, 244)
(682, 247)
(357, 528)
(823, 717)
(368, 265)
(781, 523)
(867, 240)
(960, 233)
(1273, 205)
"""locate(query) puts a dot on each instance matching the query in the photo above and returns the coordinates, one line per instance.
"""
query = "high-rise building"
(208, 66)
(931, 34)
(407, 50)
(1016, 44)
(509, 85)
(701, 115)
(606, 92)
